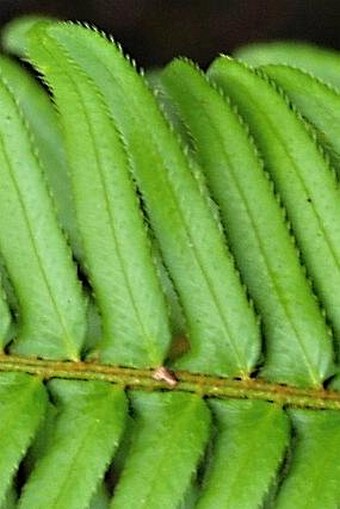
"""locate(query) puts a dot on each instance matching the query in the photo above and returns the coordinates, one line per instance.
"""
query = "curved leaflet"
(36, 257)
(170, 433)
(23, 404)
(314, 473)
(86, 430)
(300, 172)
(42, 117)
(295, 330)
(116, 251)
(43, 122)
(248, 448)
(222, 327)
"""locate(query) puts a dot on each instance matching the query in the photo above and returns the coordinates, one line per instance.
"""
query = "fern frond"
(162, 185)
(116, 250)
(263, 249)
(299, 172)
(222, 327)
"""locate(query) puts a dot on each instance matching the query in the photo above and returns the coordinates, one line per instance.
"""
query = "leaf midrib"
(201, 384)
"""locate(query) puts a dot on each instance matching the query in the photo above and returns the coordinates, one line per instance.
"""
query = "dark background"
(154, 31)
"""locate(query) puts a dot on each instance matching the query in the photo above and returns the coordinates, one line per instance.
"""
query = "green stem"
(204, 385)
